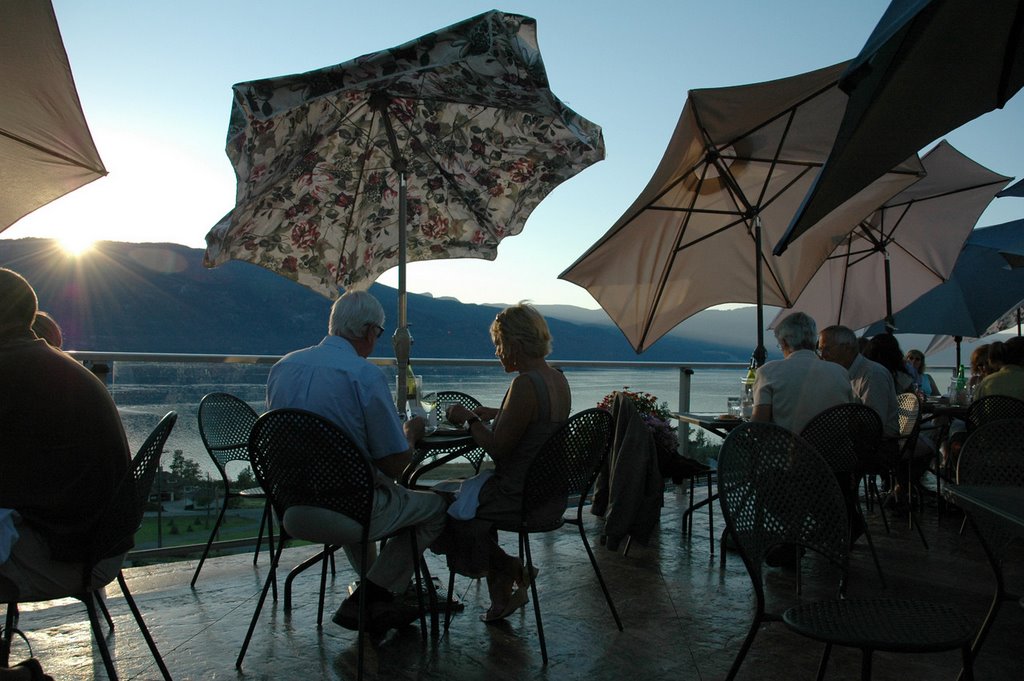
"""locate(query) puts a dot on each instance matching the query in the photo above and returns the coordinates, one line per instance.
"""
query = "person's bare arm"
(762, 412)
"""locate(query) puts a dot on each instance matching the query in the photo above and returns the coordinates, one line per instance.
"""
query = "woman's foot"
(517, 599)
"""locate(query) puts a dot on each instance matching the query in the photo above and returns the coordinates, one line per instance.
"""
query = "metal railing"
(104, 365)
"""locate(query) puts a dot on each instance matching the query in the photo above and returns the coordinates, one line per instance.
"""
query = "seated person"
(924, 380)
(63, 452)
(1009, 378)
(885, 349)
(536, 405)
(334, 379)
(791, 391)
(979, 366)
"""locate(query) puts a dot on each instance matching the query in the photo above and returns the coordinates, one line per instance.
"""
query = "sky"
(155, 78)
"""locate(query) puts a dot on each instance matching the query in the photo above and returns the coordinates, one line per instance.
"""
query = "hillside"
(159, 298)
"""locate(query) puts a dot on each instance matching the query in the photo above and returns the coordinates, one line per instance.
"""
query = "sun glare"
(76, 245)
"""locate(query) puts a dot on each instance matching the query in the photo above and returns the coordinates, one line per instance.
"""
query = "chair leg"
(823, 665)
(94, 621)
(209, 542)
(747, 642)
(323, 591)
(967, 673)
(874, 554)
(448, 608)
(711, 517)
(8, 632)
(524, 543)
(142, 626)
(271, 577)
(265, 522)
(865, 664)
(295, 571)
(103, 609)
(597, 570)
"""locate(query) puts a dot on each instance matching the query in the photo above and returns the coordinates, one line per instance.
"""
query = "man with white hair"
(871, 382)
(334, 379)
(791, 391)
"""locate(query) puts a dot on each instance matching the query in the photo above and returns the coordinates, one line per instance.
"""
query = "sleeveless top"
(503, 493)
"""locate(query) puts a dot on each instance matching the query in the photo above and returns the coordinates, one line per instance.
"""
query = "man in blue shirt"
(334, 379)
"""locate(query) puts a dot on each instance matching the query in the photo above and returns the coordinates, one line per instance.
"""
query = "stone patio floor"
(684, 616)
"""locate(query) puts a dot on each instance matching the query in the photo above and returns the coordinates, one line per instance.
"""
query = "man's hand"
(414, 429)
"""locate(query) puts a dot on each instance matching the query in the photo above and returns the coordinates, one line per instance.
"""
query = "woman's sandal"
(518, 599)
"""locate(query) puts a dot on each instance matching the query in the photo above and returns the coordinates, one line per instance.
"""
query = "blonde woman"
(915, 358)
(536, 405)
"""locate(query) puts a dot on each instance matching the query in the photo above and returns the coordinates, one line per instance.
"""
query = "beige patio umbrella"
(739, 162)
(46, 149)
(904, 248)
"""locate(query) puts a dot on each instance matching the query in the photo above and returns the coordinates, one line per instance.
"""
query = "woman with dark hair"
(885, 349)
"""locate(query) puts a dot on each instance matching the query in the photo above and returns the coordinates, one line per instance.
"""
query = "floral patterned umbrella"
(451, 140)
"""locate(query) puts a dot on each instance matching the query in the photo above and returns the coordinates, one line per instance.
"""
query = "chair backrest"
(116, 527)
(568, 462)
(846, 435)
(993, 454)
(301, 459)
(224, 425)
(909, 408)
(775, 489)
(993, 408)
(446, 398)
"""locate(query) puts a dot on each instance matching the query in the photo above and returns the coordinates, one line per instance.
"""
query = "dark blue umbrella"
(981, 289)
(929, 67)
(1016, 189)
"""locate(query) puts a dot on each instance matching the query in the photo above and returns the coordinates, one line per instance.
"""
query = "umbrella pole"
(889, 325)
(760, 354)
(402, 340)
(957, 340)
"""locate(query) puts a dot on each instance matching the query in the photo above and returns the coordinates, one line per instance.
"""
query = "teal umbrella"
(981, 289)
(929, 67)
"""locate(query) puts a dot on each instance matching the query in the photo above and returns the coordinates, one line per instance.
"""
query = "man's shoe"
(380, 615)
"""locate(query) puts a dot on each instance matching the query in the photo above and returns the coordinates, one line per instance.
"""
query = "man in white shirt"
(792, 391)
(334, 379)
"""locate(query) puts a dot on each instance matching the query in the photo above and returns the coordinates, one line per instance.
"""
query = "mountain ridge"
(157, 297)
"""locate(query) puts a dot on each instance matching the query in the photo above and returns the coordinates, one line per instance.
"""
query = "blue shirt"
(332, 380)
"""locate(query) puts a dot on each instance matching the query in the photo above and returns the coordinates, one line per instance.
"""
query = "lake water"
(145, 392)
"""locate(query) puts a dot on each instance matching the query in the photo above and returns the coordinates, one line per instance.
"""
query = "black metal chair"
(115, 535)
(775, 490)
(439, 456)
(565, 466)
(993, 408)
(993, 455)
(847, 436)
(302, 459)
(224, 425)
(909, 408)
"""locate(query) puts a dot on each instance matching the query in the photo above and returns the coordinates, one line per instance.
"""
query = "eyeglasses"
(380, 329)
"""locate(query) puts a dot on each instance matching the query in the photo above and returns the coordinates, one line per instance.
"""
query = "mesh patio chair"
(302, 459)
(775, 490)
(993, 455)
(224, 425)
(425, 461)
(847, 436)
(115, 535)
(909, 409)
(993, 408)
(565, 467)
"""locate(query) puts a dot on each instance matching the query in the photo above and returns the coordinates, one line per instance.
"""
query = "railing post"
(684, 405)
